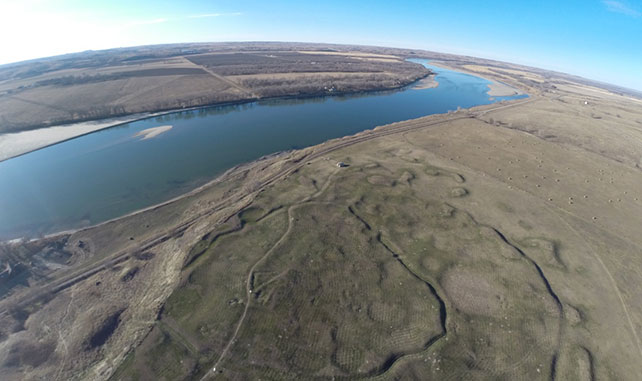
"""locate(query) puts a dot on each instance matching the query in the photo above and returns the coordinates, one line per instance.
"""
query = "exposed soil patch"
(458, 192)
(26, 353)
(105, 330)
(473, 293)
(129, 274)
(381, 180)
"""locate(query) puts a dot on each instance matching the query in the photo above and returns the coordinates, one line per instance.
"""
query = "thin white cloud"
(620, 7)
(200, 16)
(147, 22)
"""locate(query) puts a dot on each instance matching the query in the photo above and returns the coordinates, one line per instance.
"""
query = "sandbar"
(498, 89)
(426, 83)
(153, 132)
(18, 143)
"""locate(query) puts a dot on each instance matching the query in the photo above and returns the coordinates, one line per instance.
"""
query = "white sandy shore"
(18, 143)
(426, 83)
(498, 89)
(495, 88)
(153, 132)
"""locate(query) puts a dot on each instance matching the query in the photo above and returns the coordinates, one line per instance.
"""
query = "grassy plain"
(500, 242)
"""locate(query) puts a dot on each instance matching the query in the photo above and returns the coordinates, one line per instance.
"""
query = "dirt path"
(248, 292)
(221, 78)
(250, 274)
(62, 338)
(614, 285)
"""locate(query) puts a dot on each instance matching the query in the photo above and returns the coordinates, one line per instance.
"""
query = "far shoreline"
(430, 76)
(231, 171)
(428, 82)
(495, 87)
(13, 138)
(8, 141)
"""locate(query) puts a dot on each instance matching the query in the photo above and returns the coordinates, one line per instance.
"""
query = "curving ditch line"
(568, 213)
(608, 273)
(549, 289)
(250, 283)
(392, 360)
(539, 270)
(211, 240)
(443, 315)
(443, 311)
(407, 127)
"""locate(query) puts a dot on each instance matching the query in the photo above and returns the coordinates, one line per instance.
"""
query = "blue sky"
(597, 39)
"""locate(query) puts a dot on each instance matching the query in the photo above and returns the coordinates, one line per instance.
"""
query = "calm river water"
(109, 173)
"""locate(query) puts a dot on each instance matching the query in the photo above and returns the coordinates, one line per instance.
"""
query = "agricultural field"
(98, 85)
(499, 242)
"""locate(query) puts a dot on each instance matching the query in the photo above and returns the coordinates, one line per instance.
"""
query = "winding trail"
(248, 292)
(614, 285)
(292, 165)
(443, 312)
(250, 274)
(443, 309)
(62, 338)
(223, 79)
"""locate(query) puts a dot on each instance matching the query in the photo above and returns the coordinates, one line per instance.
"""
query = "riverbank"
(218, 137)
(284, 162)
(495, 88)
(498, 89)
(21, 143)
(427, 83)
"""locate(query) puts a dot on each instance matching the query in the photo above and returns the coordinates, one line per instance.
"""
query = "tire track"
(250, 276)
(611, 280)
(223, 79)
(248, 293)
(62, 339)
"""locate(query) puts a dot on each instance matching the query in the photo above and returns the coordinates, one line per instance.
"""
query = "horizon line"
(602, 82)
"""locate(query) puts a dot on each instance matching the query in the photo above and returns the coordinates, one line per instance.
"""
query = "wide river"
(112, 172)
